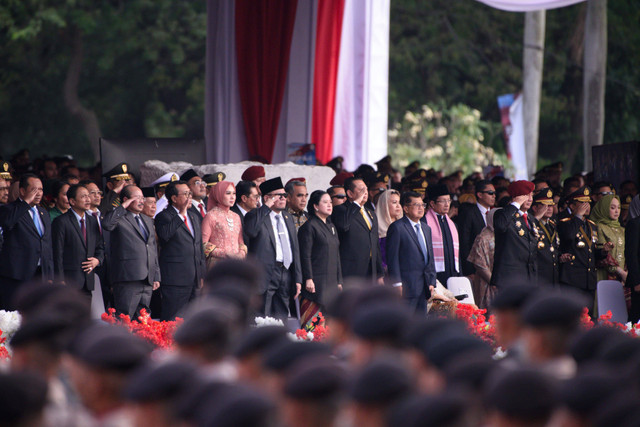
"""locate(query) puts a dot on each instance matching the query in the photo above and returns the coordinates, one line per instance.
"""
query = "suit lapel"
(193, 224)
(129, 217)
(291, 228)
(76, 226)
(411, 231)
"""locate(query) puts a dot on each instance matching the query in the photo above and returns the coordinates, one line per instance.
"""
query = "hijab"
(217, 194)
(382, 212)
(634, 207)
(600, 212)
(490, 215)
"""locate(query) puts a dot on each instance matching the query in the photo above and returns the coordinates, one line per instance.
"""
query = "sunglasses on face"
(339, 196)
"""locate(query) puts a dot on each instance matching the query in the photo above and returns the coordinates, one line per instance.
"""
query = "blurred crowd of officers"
(369, 254)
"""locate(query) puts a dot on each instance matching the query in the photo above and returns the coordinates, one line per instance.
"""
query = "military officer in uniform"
(548, 240)
(117, 179)
(516, 239)
(578, 236)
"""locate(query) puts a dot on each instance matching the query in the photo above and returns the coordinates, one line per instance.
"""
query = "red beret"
(520, 188)
(340, 178)
(252, 173)
(296, 179)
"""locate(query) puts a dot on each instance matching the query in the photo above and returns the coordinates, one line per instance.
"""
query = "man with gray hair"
(297, 196)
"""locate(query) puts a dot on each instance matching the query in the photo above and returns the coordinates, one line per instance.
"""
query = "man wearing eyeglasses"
(198, 189)
(410, 253)
(273, 241)
(134, 268)
(599, 190)
(446, 247)
(472, 218)
(337, 194)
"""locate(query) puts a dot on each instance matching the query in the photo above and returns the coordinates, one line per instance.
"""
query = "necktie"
(201, 209)
(36, 221)
(95, 215)
(366, 217)
(423, 245)
(186, 223)
(142, 228)
(83, 229)
(524, 216)
(284, 242)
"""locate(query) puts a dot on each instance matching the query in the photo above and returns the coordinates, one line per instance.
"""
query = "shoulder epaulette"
(552, 222)
(565, 219)
(591, 222)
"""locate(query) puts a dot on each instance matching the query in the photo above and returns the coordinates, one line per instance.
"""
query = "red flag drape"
(325, 76)
(264, 29)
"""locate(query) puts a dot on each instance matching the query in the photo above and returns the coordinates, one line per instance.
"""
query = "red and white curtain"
(283, 71)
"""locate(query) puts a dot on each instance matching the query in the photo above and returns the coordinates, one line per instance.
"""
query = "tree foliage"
(466, 52)
(142, 71)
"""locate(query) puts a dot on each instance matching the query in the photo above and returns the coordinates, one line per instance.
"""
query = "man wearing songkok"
(410, 257)
(181, 258)
(297, 196)
(78, 247)
(516, 257)
(578, 237)
(548, 240)
(446, 247)
(27, 252)
(273, 241)
(134, 268)
(117, 178)
(358, 232)
(472, 218)
(551, 321)
(102, 360)
(313, 393)
(159, 185)
(198, 192)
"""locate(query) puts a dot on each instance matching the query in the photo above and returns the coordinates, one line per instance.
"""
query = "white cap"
(165, 179)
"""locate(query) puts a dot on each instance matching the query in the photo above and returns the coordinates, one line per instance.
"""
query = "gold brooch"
(521, 232)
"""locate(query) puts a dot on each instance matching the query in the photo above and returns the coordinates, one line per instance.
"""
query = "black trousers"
(275, 301)
(174, 299)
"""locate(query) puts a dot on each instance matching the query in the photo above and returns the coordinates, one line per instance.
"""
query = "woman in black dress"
(319, 256)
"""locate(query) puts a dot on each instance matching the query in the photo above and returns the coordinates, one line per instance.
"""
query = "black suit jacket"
(237, 210)
(131, 259)
(70, 250)
(181, 254)
(515, 260)
(405, 260)
(320, 257)
(470, 223)
(359, 250)
(262, 242)
(548, 253)
(23, 246)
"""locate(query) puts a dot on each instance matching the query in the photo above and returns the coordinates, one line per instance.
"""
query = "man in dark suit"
(198, 189)
(472, 218)
(78, 247)
(134, 253)
(358, 231)
(247, 197)
(515, 260)
(632, 257)
(182, 264)
(410, 253)
(272, 239)
(27, 252)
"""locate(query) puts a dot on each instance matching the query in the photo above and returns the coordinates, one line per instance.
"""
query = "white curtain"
(528, 5)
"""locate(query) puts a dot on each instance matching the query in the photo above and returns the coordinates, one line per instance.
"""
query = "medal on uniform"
(580, 244)
(521, 232)
(518, 224)
(540, 245)
(551, 249)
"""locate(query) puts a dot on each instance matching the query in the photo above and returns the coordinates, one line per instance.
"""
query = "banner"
(513, 127)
